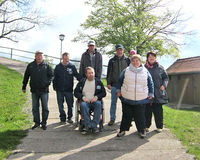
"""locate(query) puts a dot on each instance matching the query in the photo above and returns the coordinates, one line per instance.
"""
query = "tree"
(18, 16)
(143, 25)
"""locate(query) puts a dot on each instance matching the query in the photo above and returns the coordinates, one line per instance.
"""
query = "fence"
(28, 56)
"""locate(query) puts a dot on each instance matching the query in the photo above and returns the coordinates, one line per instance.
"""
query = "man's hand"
(86, 100)
(23, 90)
(109, 87)
(162, 87)
(149, 97)
(119, 94)
(94, 99)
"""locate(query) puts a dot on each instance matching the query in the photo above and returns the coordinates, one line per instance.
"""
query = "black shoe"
(35, 126)
(69, 121)
(63, 122)
(111, 122)
(142, 134)
(120, 134)
(44, 127)
(95, 130)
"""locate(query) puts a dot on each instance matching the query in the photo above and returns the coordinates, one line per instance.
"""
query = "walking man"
(115, 66)
(91, 58)
(63, 83)
(40, 74)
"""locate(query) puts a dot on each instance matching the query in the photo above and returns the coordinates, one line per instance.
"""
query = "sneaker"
(158, 130)
(95, 130)
(69, 121)
(142, 135)
(62, 122)
(111, 122)
(147, 129)
(121, 133)
(35, 126)
(44, 127)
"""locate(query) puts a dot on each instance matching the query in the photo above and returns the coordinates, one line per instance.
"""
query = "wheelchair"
(79, 119)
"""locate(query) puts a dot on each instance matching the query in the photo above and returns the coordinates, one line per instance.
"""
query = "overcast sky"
(70, 14)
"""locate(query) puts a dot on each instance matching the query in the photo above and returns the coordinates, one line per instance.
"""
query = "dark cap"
(119, 46)
(91, 43)
(152, 53)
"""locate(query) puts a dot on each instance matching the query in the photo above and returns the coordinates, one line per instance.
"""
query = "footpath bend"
(65, 142)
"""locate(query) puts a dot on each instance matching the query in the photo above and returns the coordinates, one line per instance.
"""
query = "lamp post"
(61, 37)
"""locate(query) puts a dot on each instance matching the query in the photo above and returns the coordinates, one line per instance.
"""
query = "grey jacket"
(115, 67)
(86, 62)
(160, 77)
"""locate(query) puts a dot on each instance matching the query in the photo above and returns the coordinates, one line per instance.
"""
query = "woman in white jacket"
(135, 88)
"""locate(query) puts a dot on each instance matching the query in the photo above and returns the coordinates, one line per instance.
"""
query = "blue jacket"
(64, 77)
(132, 102)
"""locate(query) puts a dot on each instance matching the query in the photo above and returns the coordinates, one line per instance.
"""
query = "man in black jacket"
(115, 66)
(91, 58)
(40, 74)
(90, 90)
(63, 83)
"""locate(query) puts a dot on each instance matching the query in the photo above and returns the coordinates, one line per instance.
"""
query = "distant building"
(181, 71)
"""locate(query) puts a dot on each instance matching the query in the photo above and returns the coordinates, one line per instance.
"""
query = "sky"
(69, 15)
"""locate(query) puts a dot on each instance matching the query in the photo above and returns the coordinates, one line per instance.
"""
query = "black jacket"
(100, 91)
(115, 67)
(85, 62)
(160, 77)
(40, 77)
(64, 77)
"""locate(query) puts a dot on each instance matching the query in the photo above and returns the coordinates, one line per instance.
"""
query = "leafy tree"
(143, 25)
(18, 16)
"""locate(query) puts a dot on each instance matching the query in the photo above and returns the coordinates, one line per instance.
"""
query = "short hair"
(38, 52)
(88, 68)
(152, 53)
(136, 56)
(65, 54)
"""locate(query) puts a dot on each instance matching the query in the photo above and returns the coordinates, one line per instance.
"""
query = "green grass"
(13, 121)
(185, 124)
(104, 81)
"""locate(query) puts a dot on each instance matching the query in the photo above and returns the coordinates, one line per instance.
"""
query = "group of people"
(141, 88)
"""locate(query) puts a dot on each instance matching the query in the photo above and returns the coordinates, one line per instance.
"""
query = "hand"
(109, 87)
(162, 87)
(86, 100)
(94, 99)
(149, 97)
(119, 94)
(23, 90)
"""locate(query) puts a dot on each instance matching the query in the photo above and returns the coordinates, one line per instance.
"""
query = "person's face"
(39, 58)
(151, 59)
(136, 62)
(90, 74)
(65, 60)
(91, 48)
(120, 52)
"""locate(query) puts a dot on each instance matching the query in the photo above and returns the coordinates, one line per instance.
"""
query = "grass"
(185, 124)
(13, 121)
(104, 81)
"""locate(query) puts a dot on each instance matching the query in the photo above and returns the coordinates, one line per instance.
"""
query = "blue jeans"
(35, 107)
(85, 109)
(113, 104)
(69, 100)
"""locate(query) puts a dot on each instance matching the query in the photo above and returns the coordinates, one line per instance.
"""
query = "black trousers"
(157, 110)
(133, 111)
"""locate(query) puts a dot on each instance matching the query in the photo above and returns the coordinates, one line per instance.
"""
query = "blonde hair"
(136, 56)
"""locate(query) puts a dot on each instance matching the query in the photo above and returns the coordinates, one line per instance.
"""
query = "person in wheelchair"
(90, 91)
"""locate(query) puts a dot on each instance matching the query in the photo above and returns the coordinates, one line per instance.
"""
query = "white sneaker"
(159, 130)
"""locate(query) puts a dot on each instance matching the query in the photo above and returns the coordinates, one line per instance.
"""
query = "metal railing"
(28, 56)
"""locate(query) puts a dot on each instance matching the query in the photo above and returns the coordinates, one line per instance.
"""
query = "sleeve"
(55, 79)
(120, 81)
(26, 77)
(50, 74)
(165, 78)
(76, 74)
(77, 91)
(99, 69)
(150, 84)
(109, 71)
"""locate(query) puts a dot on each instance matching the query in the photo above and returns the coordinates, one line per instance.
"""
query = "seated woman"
(90, 90)
(135, 89)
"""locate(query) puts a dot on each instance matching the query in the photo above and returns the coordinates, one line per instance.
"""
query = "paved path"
(65, 142)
